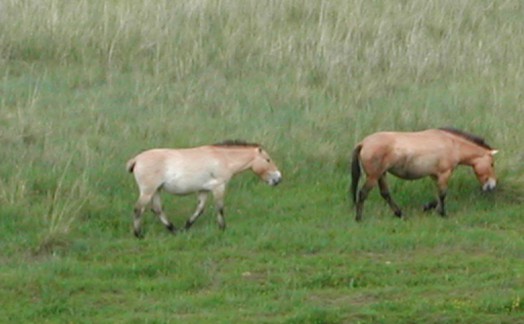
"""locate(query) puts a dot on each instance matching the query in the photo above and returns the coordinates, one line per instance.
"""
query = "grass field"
(85, 85)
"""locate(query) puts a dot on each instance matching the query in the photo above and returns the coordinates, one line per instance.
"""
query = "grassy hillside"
(85, 85)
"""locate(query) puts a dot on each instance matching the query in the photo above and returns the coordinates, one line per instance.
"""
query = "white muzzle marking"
(489, 185)
(274, 178)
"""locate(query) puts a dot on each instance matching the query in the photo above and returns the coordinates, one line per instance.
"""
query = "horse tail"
(355, 171)
(130, 165)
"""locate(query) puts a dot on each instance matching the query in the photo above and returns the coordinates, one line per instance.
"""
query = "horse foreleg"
(384, 192)
(157, 209)
(441, 209)
(431, 205)
(202, 197)
(139, 209)
(362, 195)
(218, 195)
(442, 186)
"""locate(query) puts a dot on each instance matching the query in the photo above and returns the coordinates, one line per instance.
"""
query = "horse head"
(264, 167)
(484, 168)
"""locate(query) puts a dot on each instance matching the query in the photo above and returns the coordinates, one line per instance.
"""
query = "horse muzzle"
(274, 178)
(489, 185)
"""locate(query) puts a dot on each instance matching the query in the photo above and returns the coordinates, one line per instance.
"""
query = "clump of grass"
(14, 189)
(64, 204)
(317, 315)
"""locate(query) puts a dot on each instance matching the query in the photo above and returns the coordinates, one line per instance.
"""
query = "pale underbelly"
(181, 187)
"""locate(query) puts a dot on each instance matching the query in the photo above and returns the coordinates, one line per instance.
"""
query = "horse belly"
(413, 169)
(183, 185)
(180, 188)
(407, 174)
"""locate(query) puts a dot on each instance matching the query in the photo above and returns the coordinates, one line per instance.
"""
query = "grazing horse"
(198, 170)
(433, 152)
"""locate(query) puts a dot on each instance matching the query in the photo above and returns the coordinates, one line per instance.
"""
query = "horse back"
(423, 142)
(163, 160)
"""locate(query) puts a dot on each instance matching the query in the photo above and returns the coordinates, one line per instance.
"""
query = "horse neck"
(239, 159)
(469, 152)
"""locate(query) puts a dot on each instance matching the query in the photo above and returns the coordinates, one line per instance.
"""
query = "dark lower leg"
(431, 205)
(391, 203)
(221, 219)
(137, 222)
(199, 210)
(441, 208)
(170, 227)
(384, 192)
(218, 194)
(140, 207)
(193, 218)
(442, 185)
(157, 209)
(362, 195)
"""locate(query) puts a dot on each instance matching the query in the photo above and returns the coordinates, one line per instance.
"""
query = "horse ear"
(493, 152)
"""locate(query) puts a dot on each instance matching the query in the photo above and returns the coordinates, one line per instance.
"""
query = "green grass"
(85, 85)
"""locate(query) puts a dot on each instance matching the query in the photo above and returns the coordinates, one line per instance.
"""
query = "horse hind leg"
(202, 197)
(384, 192)
(139, 209)
(362, 195)
(157, 209)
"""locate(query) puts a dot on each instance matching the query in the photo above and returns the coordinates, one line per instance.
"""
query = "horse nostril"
(489, 185)
(275, 181)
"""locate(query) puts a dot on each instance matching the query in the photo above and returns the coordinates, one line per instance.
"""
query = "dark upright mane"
(236, 143)
(470, 137)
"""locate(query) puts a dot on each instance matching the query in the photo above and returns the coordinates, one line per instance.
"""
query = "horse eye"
(268, 160)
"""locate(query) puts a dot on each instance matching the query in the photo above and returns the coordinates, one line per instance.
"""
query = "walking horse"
(413, 155)
(198, 170)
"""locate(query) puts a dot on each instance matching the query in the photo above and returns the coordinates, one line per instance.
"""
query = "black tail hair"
(355, 171)
(130, 165)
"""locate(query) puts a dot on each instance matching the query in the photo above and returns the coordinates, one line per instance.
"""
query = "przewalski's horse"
(198, 170)
(433, 152)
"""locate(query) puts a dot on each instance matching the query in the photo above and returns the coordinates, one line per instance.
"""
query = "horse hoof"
(430, 205)
(398, 213)
(139, 235)
(427, 207)
(171, 228)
